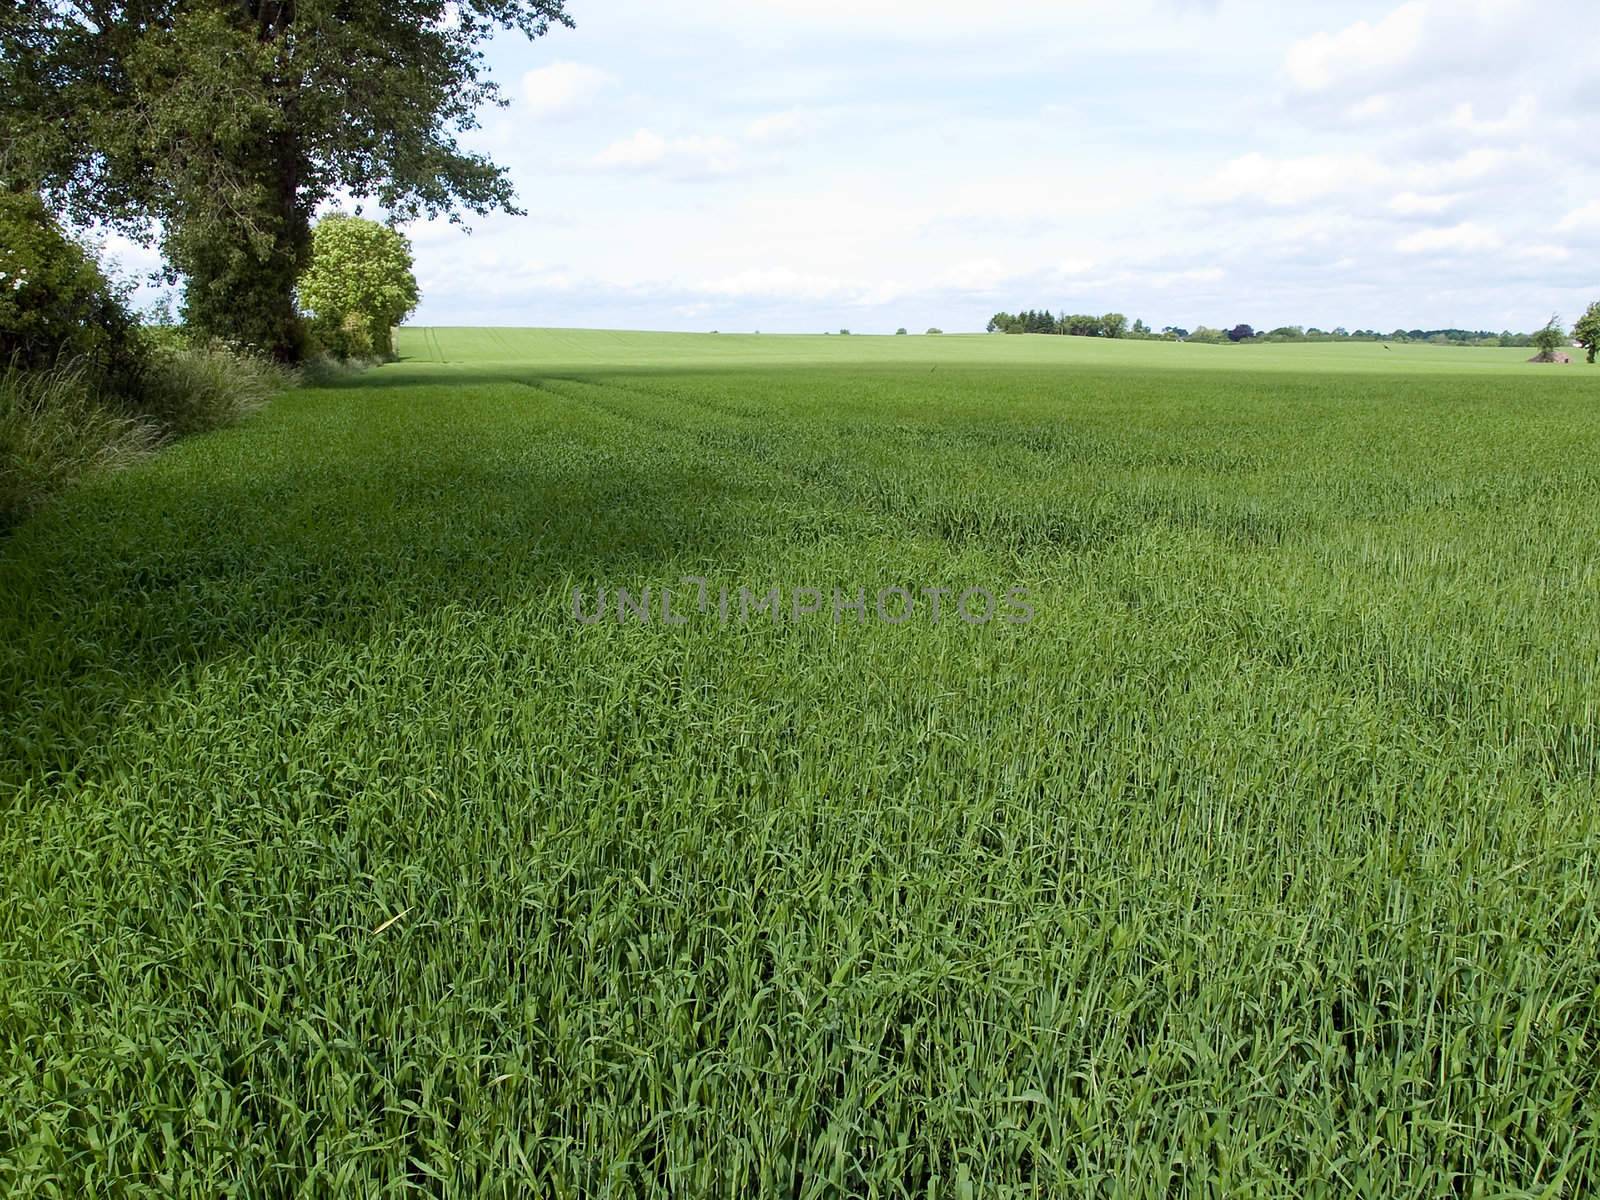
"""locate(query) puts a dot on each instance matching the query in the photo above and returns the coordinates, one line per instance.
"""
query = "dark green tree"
(1587, 331)
(220, 126)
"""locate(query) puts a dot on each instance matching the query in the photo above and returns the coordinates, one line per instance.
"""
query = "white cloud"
(1289, 181)
(1318, 62)
(1545, 253)
(1580, 219)
(1519, 118)
(646, 150)
(1465, 238)
(979, 275)
(562, 87)
(786, 283)
(1473, 165)
(778, 128)
(1412, 204)
(1371, 108)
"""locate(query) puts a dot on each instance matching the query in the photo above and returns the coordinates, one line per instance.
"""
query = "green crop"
(338, 859)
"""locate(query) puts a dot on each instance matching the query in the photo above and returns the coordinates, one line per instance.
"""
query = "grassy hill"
(338, 856)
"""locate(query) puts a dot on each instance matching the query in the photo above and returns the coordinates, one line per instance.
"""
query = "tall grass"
(198, 388)
(338, 859)
(55, 429)
(57, 426)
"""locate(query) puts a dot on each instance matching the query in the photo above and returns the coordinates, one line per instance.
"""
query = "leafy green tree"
(1550, 337)
(901, 331)
(1113, 325)
(56, 305)
(359, 281)
(1587, 331)
(226, 124)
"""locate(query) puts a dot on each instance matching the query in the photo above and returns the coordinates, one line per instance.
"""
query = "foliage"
(1587, 331)
(901, 332)
(1114, 324)
(339, 860)
(227, 125)
(359, 285)
(1551, 338)
(55, 429)
(934, 330)
(57, 307)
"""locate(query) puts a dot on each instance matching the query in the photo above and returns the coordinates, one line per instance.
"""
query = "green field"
(338, 858)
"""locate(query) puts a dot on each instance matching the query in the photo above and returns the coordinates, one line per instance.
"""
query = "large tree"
(220, 126)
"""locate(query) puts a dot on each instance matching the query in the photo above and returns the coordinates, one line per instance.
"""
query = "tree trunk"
(241, 267)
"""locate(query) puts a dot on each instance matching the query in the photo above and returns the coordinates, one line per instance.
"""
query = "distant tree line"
(1112, 325)
(1115, 325)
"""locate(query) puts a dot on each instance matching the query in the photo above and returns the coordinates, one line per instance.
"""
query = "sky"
(810, 165)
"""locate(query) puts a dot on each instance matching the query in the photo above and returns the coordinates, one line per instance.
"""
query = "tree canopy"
(220, 126)
(359, 281)
(1587, 331)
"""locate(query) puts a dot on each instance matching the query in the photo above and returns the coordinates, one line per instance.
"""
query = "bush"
(358, 287)
(934, 331)
(57, 307)
(53, 430)
(200, 388)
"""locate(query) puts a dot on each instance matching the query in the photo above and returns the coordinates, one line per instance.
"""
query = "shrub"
(358, 287)
(200, 388)
(934, 330)
(58, 307)
(53, 430)
(900, 332)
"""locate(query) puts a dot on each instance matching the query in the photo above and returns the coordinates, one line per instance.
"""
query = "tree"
(225, 124)
(901, 331)
(1550, 337)
(1241, 333)
(1113, 325)
(934, 330)
(1587, 331)
(359, 279)
(58, 307)
(1140, 329)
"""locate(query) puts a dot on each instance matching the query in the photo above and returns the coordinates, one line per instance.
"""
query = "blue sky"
(801, 165)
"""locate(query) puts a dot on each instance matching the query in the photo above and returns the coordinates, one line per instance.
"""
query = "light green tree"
(1587, 331)
(359, 285)
(1550, 338)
